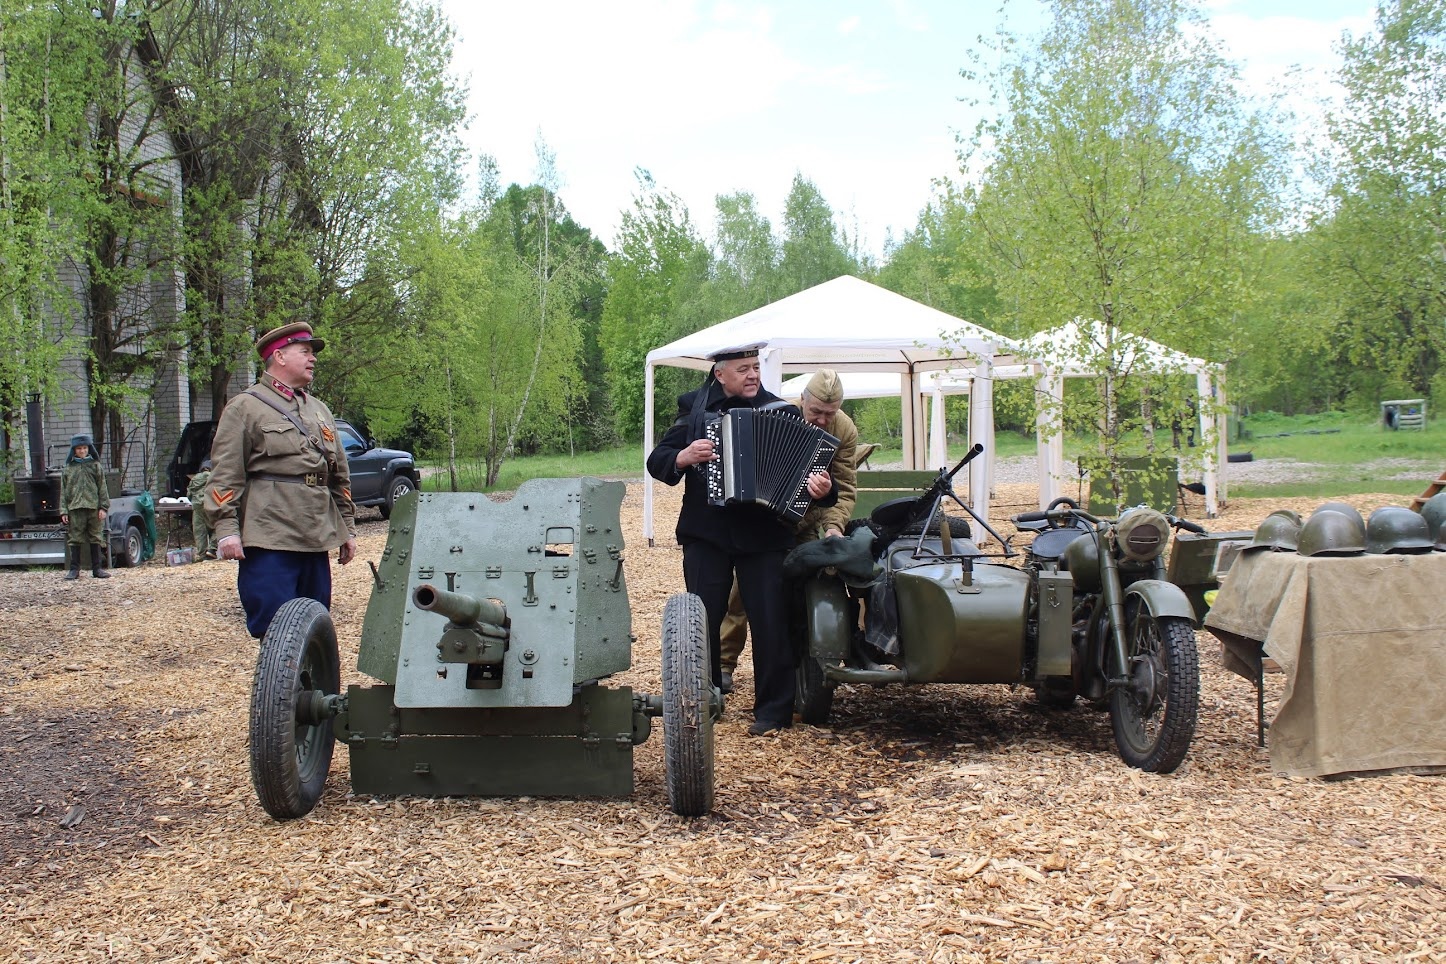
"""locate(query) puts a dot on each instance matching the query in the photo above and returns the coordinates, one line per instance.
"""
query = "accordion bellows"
(765, 456)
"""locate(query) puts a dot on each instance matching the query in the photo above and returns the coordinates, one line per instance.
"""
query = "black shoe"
(727, 684)
(764, 727)
(73, 574)
(99, 573)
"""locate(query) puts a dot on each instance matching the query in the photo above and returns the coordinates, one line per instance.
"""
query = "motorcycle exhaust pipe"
(875, 677)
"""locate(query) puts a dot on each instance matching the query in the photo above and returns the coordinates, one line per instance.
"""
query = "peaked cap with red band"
(288, 335)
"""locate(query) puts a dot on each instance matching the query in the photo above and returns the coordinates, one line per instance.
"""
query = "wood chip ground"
(928, 824)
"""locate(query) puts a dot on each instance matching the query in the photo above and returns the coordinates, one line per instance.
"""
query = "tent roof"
(1074, 348)
(845, 324)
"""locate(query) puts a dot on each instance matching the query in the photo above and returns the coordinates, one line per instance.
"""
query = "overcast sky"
(863, 98)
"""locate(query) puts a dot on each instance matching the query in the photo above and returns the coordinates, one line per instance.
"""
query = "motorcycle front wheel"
(1154, 713)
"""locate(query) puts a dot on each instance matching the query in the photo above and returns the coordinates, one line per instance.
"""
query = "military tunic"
(274, 486)
(845, 473)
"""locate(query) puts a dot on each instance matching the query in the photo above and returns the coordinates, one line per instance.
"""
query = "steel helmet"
(1341, 507)
(1434, 512)
(1277, 532)
(1290, 514)
(1331, 533)
(1396, 529)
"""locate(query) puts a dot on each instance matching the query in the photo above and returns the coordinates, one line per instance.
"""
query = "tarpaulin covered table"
(1362, 643)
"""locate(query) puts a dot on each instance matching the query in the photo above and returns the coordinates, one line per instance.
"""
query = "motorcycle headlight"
(1141, 534)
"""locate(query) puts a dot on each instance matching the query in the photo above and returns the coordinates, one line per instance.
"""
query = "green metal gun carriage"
(491, 630)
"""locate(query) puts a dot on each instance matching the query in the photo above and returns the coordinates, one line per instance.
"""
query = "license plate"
(33, 534)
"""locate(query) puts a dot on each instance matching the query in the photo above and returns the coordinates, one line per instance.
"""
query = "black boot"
(97, 563)
(74, 570)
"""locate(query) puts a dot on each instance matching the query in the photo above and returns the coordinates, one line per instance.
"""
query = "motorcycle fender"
(827, 607)
(1161, 598)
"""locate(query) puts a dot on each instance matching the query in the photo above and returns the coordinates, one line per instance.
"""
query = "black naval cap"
(738, 351)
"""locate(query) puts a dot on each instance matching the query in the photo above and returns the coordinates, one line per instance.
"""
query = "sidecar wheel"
(291, 744)
(813, 694)
(1055, 693)
(687, 706)
(1154, 716)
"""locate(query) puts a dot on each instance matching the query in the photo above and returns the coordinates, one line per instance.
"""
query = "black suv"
(379, 476)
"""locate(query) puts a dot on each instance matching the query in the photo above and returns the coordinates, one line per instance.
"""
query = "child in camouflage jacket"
(83, 502)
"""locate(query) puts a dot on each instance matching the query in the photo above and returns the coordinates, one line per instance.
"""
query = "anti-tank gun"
(491, 630)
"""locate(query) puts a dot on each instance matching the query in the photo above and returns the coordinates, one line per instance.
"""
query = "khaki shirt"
(845, 472)
(254, 438)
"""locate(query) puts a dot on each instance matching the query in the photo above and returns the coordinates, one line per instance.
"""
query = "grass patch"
(1323, 489)
(623, 462)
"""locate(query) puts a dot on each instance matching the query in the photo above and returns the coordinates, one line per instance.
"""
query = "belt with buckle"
(309, 478)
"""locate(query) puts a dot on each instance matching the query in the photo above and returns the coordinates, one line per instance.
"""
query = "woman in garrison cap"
(748, 539)
(279, 496)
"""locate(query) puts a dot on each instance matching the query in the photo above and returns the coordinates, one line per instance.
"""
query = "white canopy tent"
(850, 325)
(933, 385)
(1072, 351)
(1064, 352)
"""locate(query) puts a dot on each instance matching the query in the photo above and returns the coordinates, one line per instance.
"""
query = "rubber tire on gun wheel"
(400, 486)
(289, 758)
(687, 706)
(1153, 729)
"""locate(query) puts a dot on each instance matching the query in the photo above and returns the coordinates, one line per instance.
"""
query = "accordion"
(765, 456)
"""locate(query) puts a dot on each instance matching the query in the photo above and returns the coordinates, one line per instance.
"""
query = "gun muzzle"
(459, 607)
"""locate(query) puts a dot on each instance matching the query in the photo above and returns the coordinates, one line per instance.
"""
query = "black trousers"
(708, 571)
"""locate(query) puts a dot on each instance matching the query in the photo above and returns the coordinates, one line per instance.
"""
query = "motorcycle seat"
(1050, 544)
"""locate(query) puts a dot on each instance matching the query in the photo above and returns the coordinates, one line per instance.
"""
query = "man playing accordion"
(743, 538)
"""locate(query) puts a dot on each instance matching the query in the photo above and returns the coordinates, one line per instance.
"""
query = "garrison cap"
(737, 351)
(825, 386)
(287, 335)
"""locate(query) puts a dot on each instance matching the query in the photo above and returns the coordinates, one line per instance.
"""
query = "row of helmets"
(1337, 529)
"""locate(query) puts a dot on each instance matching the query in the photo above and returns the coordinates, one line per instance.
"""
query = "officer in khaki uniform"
(279, 497)
(819, 403)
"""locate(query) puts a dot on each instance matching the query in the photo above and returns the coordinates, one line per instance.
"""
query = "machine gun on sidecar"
(1087, 613)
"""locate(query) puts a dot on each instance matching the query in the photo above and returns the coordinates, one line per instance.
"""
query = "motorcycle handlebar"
(1187, 525)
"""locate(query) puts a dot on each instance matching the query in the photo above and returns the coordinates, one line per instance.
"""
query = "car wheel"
(133, 548)
(400, 486)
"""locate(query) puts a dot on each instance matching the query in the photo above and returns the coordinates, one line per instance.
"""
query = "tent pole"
(1050, 445)
(648, 450)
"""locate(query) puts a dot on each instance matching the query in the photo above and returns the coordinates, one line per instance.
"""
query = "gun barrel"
(459, 607)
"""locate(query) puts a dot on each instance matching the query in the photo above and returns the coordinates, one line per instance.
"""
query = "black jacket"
(734, 528)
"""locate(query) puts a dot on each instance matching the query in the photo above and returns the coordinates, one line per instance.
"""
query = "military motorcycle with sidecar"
(1083, 612)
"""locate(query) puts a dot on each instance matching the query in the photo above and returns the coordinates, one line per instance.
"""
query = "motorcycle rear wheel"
(1154, 715)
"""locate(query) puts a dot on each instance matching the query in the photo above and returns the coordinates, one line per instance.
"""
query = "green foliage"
(936, 265)
(42, 189)
(660, 266)
(1377, 242)
(1121, 186)
(813, 250)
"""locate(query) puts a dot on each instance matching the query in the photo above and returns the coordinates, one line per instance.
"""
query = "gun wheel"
(1154, 713)
(687, 706)
(291, 739)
